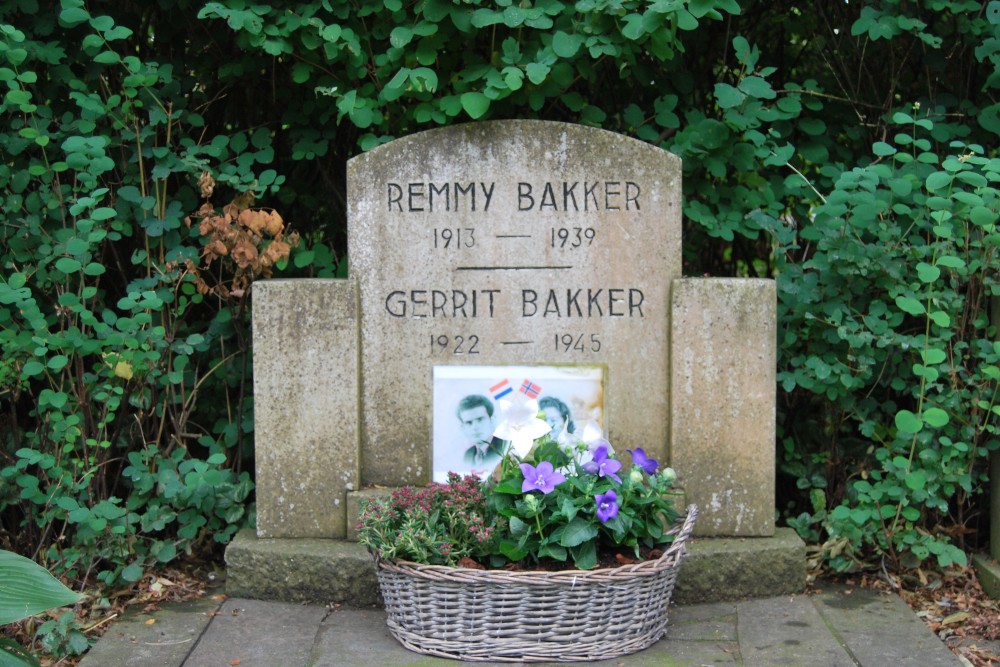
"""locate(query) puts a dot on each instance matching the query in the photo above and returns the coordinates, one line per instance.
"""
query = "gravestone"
(537, 248)
(513, 243)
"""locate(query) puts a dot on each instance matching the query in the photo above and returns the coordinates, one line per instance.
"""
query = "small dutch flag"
(500, 389)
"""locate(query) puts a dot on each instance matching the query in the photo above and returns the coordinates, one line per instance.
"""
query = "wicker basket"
(524, 616)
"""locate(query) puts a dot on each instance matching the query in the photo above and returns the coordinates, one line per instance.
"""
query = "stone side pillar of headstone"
(722, 421)
(306, 410)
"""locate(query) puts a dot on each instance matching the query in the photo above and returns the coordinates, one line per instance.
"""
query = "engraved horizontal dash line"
(514, 236)
(516, 342)
(511, 268)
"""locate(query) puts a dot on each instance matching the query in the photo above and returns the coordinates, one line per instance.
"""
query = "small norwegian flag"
(530, 389)
(501, 389)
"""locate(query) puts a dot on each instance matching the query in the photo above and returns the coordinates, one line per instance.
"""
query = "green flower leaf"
(578, 531)
(26, 588)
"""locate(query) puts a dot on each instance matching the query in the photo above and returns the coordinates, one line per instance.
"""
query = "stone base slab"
(988, 571)
(337, 571)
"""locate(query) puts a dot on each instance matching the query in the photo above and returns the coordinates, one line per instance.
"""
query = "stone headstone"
(510, 243)
(515, 250)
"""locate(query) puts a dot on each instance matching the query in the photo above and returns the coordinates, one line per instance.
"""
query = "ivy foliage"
(153, 152)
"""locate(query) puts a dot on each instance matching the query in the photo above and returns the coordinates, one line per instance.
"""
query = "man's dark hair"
(473, 401)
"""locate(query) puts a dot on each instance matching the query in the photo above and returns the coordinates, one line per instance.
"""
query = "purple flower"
(542, 478)
(603, 466)
(640, 459)
(607, 506)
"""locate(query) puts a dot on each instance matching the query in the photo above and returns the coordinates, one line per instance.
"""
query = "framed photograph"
(465, 410)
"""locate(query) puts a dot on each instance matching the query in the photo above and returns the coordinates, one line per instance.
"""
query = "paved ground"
(839, 627)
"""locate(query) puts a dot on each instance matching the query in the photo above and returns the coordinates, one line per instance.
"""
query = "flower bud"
(668, 474)
(635, 475)
(531, 501)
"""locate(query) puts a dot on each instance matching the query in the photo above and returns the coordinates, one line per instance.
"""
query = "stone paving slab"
(337, 646)
(835, 628)
(787, 631)
(259, 634)
(880, 629)
(134, 641)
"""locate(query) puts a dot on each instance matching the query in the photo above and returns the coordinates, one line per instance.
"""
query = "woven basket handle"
(678, 547)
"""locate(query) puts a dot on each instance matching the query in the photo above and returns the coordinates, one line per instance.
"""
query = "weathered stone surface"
(988, 571)
(722, 432)
(305, 405)
(719, 569)
(300, 570)
(259, 634)
(788, 632)
(532, 283)
(337, 644)
(163, 638)
(879, 628)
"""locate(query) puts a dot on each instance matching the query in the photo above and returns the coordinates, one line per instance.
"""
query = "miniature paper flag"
(530, 389)
(501, 389)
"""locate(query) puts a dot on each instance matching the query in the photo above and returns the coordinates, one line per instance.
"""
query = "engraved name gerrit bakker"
(510, 243)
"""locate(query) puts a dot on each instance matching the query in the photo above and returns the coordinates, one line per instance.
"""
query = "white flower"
(581, 447)
(519, 423)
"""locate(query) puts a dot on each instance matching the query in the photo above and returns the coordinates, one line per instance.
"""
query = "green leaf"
(32, 368)
(578, 531)
(68, 265)
(107, 58)
(883, 149)
(908, 422)
(565, 45)
(13, 654)
(935, 417)
(939, 180)
(928, 273)
(933, 355)
(910, 305)
(58, 362)
(727, 96)
(537, 72)
(73, 16)
(755, 86)
(26, 588)
(475, 104)
(585, 555)
(132, 573)
(951, 262)
(916, 479)
(940, 318)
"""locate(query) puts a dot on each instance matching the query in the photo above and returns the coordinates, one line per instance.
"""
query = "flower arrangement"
(551, 502)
